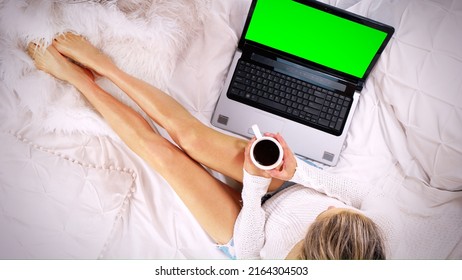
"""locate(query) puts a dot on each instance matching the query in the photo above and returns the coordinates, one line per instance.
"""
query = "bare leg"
(216, 150)
(214, 204)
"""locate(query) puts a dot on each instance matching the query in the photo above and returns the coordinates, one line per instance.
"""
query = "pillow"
(420, 80)
(144, 38)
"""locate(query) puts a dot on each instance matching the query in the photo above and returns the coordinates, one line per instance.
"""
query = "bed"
(70, 189)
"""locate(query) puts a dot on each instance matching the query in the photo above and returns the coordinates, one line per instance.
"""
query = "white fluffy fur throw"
(144, 38)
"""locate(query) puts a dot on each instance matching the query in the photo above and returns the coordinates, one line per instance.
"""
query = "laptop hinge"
(303, 73)
(359, 86)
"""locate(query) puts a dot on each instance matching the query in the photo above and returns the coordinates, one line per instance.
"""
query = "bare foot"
(80, 50)
(52, 62)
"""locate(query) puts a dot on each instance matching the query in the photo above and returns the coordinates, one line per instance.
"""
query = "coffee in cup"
(266, 152)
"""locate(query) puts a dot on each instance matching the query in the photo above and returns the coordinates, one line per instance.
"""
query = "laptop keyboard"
(289, 97)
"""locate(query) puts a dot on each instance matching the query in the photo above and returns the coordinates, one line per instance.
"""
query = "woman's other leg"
(214, 204)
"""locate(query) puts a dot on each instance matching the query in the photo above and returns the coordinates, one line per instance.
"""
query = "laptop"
(298, 70)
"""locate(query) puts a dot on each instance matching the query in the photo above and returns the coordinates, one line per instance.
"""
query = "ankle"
(113, 73)
(81, 81)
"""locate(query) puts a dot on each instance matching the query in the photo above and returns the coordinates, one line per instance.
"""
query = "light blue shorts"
(228, 249)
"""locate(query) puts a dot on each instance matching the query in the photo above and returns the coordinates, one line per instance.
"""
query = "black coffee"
(266, 152)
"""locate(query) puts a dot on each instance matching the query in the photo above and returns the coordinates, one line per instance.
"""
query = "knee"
(190, 138)
(190, 141)
(158, 151)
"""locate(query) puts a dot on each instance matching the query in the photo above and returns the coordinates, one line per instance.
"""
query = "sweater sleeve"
(249, 230)
(349, 191)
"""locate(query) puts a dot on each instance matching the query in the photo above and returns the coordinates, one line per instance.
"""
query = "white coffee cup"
(266, 152)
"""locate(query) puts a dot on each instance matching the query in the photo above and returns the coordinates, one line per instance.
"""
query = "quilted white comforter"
(70, 189)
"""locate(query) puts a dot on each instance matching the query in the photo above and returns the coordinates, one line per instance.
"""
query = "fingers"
(289, 163)
(280, 172)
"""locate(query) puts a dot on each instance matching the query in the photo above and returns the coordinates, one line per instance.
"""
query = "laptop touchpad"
(266, 123)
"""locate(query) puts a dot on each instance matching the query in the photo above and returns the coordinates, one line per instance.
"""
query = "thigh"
(216, 150)
(214, 204)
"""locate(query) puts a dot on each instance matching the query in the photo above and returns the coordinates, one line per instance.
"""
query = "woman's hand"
(288, 166)
(283, 172)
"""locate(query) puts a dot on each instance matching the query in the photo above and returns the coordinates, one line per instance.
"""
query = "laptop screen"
(339, 43)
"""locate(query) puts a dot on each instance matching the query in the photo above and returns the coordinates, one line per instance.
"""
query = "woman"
(277, 229)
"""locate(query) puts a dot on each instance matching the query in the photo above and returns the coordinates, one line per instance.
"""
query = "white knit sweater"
(271, 230)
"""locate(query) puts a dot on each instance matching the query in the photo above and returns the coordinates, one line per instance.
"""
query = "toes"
(34, 47)
(31, 47)
(66, 36)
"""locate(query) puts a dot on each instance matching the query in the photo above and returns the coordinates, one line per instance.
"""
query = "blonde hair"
(343, 235)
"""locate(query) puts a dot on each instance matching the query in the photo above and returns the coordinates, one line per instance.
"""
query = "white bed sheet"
(388, 146)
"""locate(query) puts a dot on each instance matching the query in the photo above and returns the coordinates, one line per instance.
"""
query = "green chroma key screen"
(312, 34)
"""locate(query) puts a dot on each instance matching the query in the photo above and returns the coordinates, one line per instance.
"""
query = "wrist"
(256, 182)
(255, 171)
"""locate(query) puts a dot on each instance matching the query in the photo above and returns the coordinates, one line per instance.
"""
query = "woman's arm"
(345, 189)
(249, 230)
